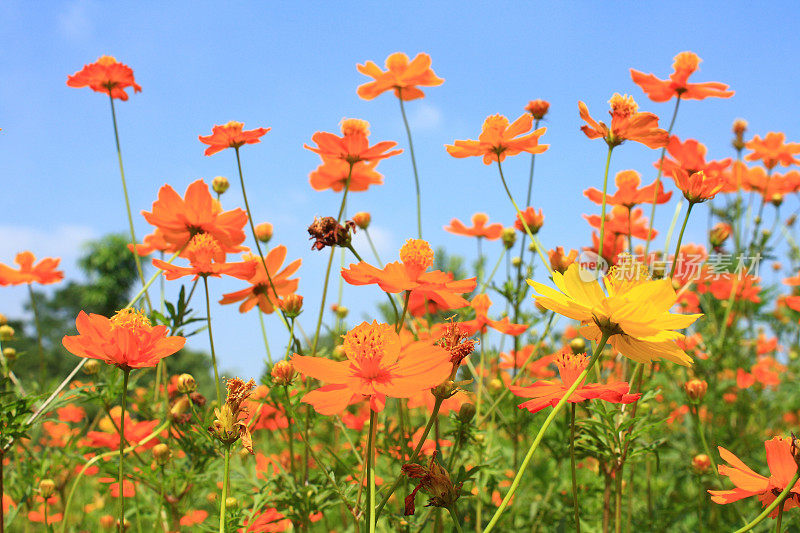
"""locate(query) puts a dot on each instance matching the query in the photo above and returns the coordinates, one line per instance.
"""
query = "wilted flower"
(228, 427)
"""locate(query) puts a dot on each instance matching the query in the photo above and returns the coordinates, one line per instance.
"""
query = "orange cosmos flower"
(231, 135)
(43, 273)
(549, 392)
(192, 518)
(620, 222)
(628, 192)
(134, 433)
(559, 260)
(782, 468)
(333, 174)
(180, 219)
(539, 368)
(627, 124)
(537, 108)
(261, 292)
(207, 259)
(376, 367)
(127, 340)
(401, 75)
(532, 219)
(409, 274)
(498, 139)
(698, 187)
(481, 304)
(479, 227)
(690, 155)
(106, 76)
(685, 65)
(151, 243)
(613, 244)
(353, 146)
(773, 150)
(773, 185)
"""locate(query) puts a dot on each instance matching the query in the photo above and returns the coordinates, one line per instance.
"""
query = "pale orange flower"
(43, 273)
(686, 63)
(479, 228)
(261, 292)
(773, 150)
(401, 75)
(698, 187)
(231, 135)
(498, 139)
(107, 76)
(333, 173)
(353, 146)
(628, 192)
(627, 124)
(207, 259)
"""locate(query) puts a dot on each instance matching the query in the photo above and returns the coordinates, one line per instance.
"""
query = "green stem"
(618, 500)
(38, 337)
(494, 271)
(374, 250)
(549, 420)
(371, 471)
(680, 239)
(136, 258)
(123, 400)
(771, 507)
(264, 334)
(222, 503)
(405, 310)
(522, 220)
(413, 162)
(572, 468)
(779, 519)
(456, 519)
(533, 161)
(603, 208)
(211, 342)
(290, 431)
(658, 178)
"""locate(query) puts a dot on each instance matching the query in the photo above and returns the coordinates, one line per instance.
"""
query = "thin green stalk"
(494, 271)
(522, 220)
(128, 204)
(405, 310)
(618, 500)
(658, 178)
(290, 431)
(371, 471)
(572, 468)
(38, 336)
(680, 239)
(211, 342)
(603, 208)
(413, 162)
(533, 161)
(372, 246)
(264, 335)
(222, 503)
(549, 420)
(673, 222)
(779, 519)
(771, 507)
(123, 400)
(456, 519)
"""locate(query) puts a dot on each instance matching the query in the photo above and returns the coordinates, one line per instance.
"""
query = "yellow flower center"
(235, 125)
(623, 106)
(625, 275)
(686, 61)
(354, 126)
(570, 365)
(107, 61)
(368, 341)
(417, 253)
(131, 319)
(203, 248)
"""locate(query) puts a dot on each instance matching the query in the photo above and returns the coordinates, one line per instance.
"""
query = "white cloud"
(74, 22)
(425, 117)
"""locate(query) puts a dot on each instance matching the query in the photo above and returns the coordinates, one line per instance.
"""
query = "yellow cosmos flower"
(632, 309)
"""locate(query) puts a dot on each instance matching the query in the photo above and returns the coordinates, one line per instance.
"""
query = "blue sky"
(291, 67)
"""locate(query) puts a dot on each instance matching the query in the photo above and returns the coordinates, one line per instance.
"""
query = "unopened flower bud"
(695, 389)
(577, 345)
(211, 497)
(793, 354)
(264, 232)
(108, 522)
(283, 373)
(338, 351)
(91, 367)
(186, 384)
(701, 463)
(6, 332)
(220, 184)
(739, 127)
(180, 407)
(341, 311)
(292, 305)
(538, 108)
(516, 261)
(161, 453)
(531, 246)
(231, 502)
(719, 234)
(791, 220)
(777, 199)
(466, 413)
(10, 354)
(495, 385)
(46, 488)
(445, 390)
(362, 219)
(509, 237)
(3, 319)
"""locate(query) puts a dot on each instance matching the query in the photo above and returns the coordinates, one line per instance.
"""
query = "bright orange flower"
(771, 185)
(427, 400)
(690, 156)
(106, 76)
(43, 273)
(231, 135)
(628, 192)
(207, 259)
(782, 468)
(532, 219)
(773, 150)
(559, 260)
(698, 187)
(685, 65)
(180, 219)
(38, 516)
(498, 139)
(409, 274)
(71, 413)
(539, 368)
(127, 340)
(613, 245)
(627, 124)
(333, 173)
(548, 392)
(353, 146)
(134, 433)
(192, 518)
(269, 520)
(401, 75)
(261, 292)
(151, 243)
(481, 303)
(376, 367)
(479, 227)
(620, 222)
(746, 286)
